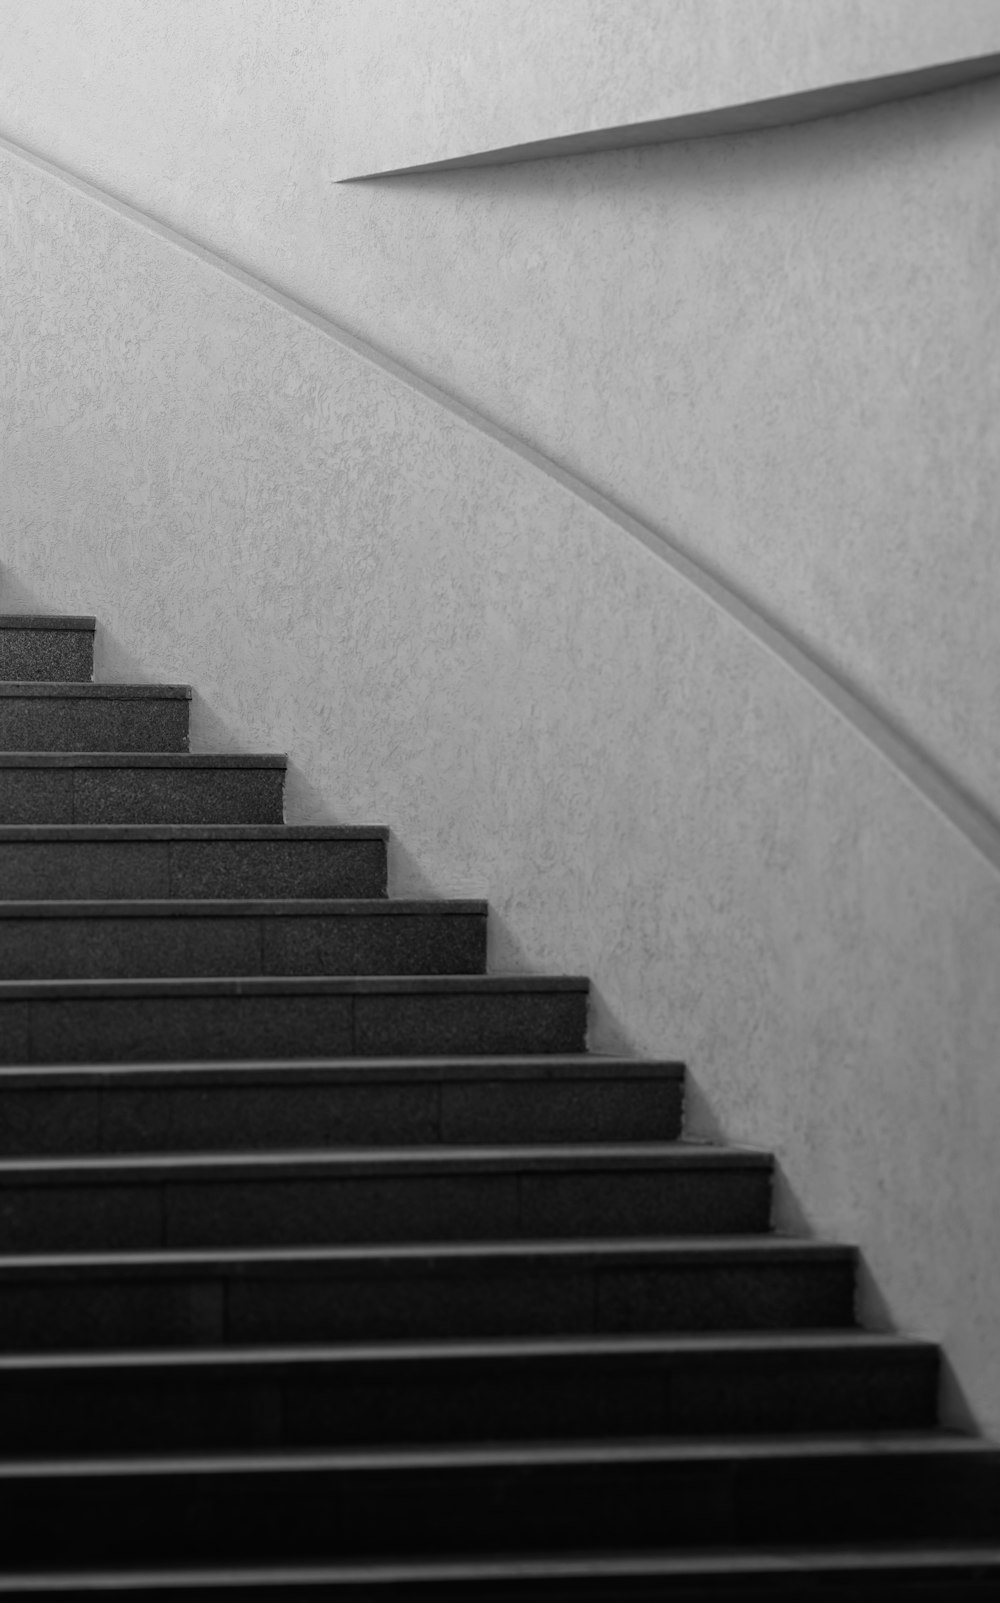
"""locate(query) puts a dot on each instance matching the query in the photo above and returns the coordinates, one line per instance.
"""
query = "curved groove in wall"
(897, 749)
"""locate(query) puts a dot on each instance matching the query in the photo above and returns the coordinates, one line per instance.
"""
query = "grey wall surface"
(779, 350)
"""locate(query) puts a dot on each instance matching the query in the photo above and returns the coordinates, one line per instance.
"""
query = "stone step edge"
(357, 1162)
(140, 759)
(773, 1565)
(268, 907)
(128, 834)
(933, 1443)
(634, 1251)
(348, 1071)
(47, 621)
(293, 985)
(88, 690)
(709, 1347)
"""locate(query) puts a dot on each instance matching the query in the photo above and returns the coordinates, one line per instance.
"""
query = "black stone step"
(381, 1195)
(158, 939)
(367, 1101)
(445, 1290)
(57, 861)
(297, 1397)
(87, 1021)
(98, 787)
(868, 1573)
(46, 648)
(293, 1507)
(45, 717)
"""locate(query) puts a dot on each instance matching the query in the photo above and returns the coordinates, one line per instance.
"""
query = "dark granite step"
(375, 1503)
(852, 1573)
(403, 1194)
(444, 1290)
(140, 788)
(45, 717)
(159, 939)
(368, 1101)
(295, 1397)
(114, 1021)
(46, 648)
(56, 861)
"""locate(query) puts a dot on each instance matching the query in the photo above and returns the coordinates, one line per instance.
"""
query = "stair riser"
(316, 1405)
(45, 1313)
(259, 1117)
(108, 870)
(269, 1515)
(104, 724)
(54, 655)
(158, 948)
(151, 1029)
(141, 796)
(471, 1205)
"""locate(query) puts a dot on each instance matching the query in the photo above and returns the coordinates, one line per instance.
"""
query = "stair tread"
(276, 907)
(88, 690)
(614, 1251)
(754, 1563)
(155, 1168)
(554, 1066)
(43, 620)
(269, 984)
(140, 759)
(777, 1344)
(850, 1445)
(187, 832)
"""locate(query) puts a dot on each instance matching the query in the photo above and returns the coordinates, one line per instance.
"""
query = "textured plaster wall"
(447, 639)
(781, 349)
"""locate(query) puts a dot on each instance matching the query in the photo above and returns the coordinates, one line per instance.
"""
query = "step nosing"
(46, 834)
(141, 759)
(516, 1068)
(632, 1250)
(852, 1446)
(708, 1347)
(88, 690)
(292, 985)
(243, 907)
(50, 622)
(570, 1156)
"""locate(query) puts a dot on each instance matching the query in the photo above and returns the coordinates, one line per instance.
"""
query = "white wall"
(780, 350)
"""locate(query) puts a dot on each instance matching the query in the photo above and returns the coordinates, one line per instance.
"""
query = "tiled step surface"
(219, 1107)
(86, 861)
(46, 648)
(80, 1021)
(381, 1502)
(571, 1388)
(96, 787)
(442, 1290)
(72, 717)
(387, 1194)
(122, 939)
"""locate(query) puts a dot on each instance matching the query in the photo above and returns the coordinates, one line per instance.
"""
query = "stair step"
(249, 1106)
(840, 1574)
(298, 1397)
(58, 861)
(79, 1021)
(67, 716)
(442, 1290)
(294, 1506)
(381, 1195)
(34, 646)
(121, 939)
(102, 787)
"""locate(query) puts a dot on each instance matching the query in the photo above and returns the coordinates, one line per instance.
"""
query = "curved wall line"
(897, 749)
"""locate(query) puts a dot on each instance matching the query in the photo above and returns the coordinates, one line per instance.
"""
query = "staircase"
(332, 1267)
